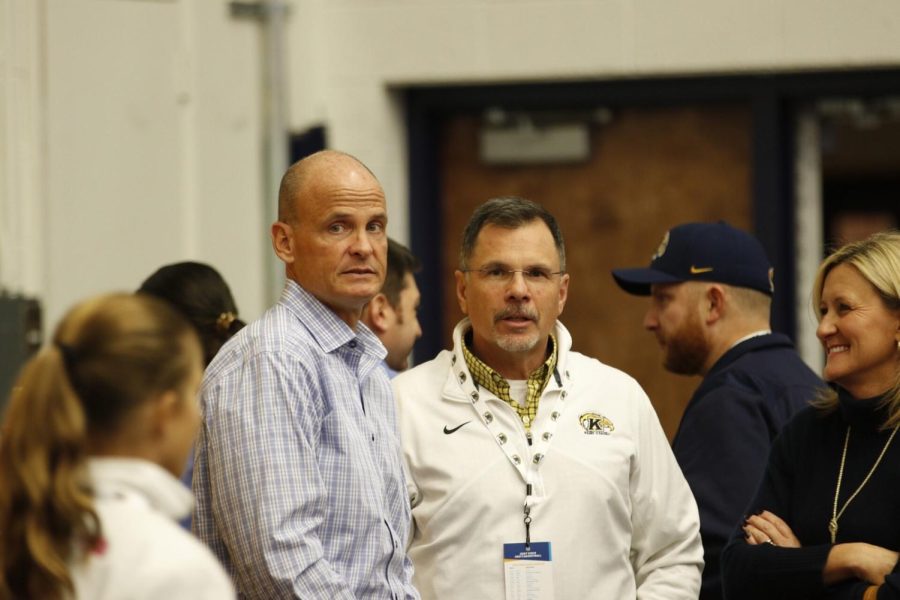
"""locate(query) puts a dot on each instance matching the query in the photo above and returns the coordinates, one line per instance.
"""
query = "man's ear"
(563, 291)
(377, 313)
(714, 303)
(283, 241)
(461, 291)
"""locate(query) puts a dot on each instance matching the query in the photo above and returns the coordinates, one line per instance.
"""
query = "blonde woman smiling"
(824, 523)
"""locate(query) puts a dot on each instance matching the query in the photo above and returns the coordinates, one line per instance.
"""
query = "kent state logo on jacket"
(596, 424)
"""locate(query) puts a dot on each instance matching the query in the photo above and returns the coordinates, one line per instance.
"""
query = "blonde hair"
(877, 259)
(108, 356)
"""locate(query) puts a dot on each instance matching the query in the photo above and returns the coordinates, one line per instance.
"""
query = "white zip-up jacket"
(145, 555)
(606, 490)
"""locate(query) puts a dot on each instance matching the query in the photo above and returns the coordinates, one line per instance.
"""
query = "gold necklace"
(835, 513)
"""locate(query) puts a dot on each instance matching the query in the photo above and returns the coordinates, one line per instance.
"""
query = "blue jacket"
(723, 441)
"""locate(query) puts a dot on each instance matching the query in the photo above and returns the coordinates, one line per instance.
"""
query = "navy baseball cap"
(703, 252)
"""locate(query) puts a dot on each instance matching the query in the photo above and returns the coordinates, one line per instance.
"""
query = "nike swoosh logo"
(698, 270)
(449, 431)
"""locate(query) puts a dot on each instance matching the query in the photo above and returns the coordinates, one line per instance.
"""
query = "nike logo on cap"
(698, 270)
(449, 431)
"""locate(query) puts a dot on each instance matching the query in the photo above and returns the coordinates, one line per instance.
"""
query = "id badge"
(528, 573)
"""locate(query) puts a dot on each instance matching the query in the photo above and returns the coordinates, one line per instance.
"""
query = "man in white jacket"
(535, 471)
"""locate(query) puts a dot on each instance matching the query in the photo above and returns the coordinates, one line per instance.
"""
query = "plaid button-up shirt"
(298, 477)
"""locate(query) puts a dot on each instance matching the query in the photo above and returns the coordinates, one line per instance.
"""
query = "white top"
(607, 492)
(144, 553)
(750, 336)
(518, 390)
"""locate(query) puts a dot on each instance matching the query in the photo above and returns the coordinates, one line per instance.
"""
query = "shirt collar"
(329, 330)
(494, 382)
(862, 411)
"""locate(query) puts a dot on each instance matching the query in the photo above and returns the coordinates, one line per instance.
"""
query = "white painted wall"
(22, 188)
(132, 129)
(349, 54)
(140, 146)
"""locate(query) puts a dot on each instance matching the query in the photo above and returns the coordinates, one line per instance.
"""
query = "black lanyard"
(527, 510)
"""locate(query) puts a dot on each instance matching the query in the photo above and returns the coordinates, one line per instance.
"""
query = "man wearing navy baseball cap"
(710, 288)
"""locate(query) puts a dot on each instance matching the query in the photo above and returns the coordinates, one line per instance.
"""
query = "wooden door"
(649, 169)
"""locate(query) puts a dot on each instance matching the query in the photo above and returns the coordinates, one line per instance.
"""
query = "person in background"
(391, 314)
(824, 522)
(199, 293)
(298, 474)
(96, 432)
(535, 469)
(710, 288)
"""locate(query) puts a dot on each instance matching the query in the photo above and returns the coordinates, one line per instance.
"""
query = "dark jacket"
(727, 429)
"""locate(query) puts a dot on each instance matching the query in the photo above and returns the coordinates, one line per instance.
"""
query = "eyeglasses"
(499, 275)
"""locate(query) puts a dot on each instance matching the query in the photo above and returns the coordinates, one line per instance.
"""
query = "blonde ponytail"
(45, 502)
(109, 355)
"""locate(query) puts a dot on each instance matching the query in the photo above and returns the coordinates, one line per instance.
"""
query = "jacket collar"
(460, 386)
(759, 342)
(141, 480)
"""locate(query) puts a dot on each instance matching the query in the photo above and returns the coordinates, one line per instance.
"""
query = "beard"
(686, 350)
(517, 343)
